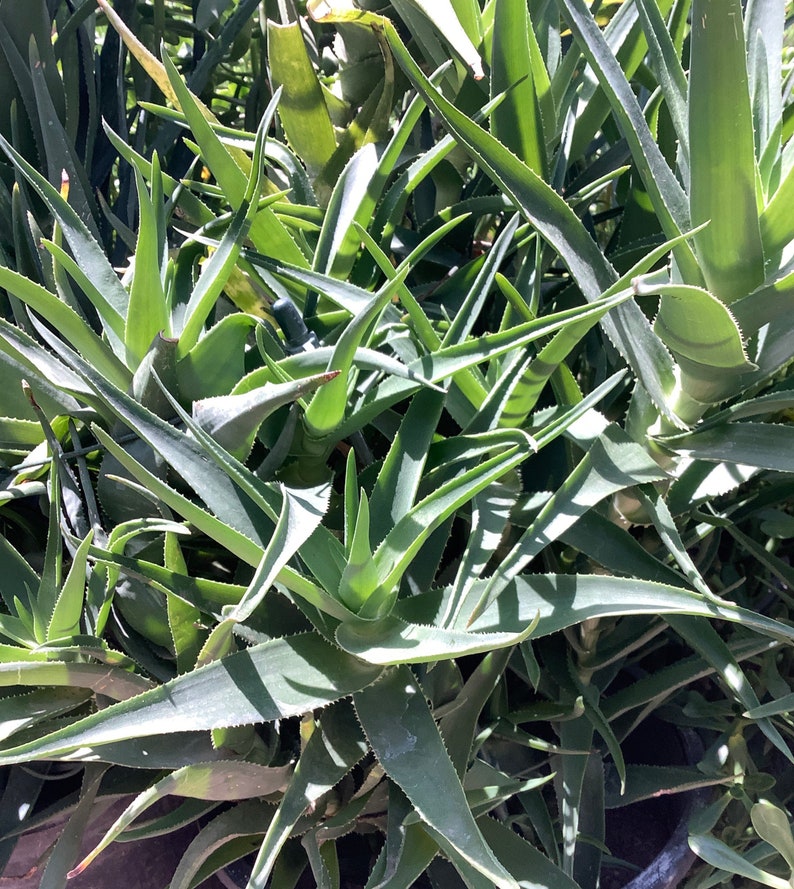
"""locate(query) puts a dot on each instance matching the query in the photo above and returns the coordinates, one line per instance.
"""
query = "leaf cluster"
(396, 433)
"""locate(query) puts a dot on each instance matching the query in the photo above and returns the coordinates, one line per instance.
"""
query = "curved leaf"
(402, 732)
(272, 680)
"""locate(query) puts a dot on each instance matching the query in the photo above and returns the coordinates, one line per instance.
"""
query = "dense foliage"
(396, 433)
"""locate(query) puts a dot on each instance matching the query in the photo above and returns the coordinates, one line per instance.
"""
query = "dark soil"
(145, 864)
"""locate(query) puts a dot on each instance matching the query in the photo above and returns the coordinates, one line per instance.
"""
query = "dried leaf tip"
(321, 9)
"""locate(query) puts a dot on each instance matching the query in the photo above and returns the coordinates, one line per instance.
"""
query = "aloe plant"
(331, 444)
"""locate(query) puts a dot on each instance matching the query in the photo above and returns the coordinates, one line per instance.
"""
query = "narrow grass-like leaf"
(472, 305)
(272, 680)
(449, 361)
(443, 16)
(772, 708)
(401, 731)
(67, 847)
(663, 683)
(490, 516)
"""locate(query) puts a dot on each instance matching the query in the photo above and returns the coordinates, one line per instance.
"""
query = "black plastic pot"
(658, 828)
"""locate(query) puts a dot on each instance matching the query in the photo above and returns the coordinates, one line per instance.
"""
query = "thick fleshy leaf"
(67, 322)
(721, 856)
(335, 746)
(722, 152)
(667, 196)
(301, 513)
(104, 288)
(402, 732)
(669, 71)
(703, 638)
(218, 267)
(302, 109)
(272, 680)
(405, 540)
(232, 835)
(612, 463)
(771, 824)
(398, 480)
(394, 641)
(221, 780)
(440, 12)
(233, 420)
(327, 408)
(230, 165)
(516, 65)
(693, 323)
(66, 615)
(562, 601)
(26, 710)
(147, 312)
(113, 682)
(765, 445)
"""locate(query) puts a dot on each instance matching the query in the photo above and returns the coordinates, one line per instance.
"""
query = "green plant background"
(396, 417)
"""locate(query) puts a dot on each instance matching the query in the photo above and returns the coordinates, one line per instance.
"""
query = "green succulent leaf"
(233, 420)
(401, 731)
(718, 854)
(335, 746)
(272, 680)
(693, 323)
(215, 781)
(722, 152)
(394, 641)
(302, 109)
(772, 824)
